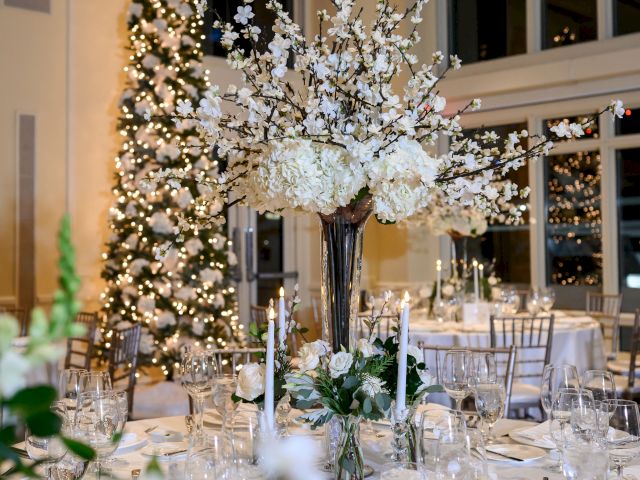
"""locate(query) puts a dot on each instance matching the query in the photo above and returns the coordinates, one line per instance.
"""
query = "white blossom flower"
(251, 381)
(14, 368)
(184, 107)
(372, 385)
(561, 130)
(427, 379)
(617, 108)
(244, 14)
(340, 364)
(366, 348)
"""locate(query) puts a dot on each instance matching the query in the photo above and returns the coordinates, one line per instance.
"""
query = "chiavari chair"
(80, 349)
(606, 310)
(123, 360)
(19, 314)
(259, 315)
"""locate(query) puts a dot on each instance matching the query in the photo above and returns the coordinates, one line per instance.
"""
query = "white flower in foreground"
(13, 377)
(426, 378)
(309, 358)
(561, 130)
(251, 381)
(340, 364)
(372, 385)
(291, 458)
(415, 352)
(184, 107)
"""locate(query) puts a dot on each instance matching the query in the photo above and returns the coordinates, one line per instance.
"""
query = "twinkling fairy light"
(186, 299)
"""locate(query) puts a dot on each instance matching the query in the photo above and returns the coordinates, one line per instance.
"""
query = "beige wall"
(65, 68)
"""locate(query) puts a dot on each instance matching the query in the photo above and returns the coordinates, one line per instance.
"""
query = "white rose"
(340, 364)
(492, 280)
(366, 348)
(426, 378)
(448, 290)
(320, 347)
(415, 352)
(251, 381)
(309, 358)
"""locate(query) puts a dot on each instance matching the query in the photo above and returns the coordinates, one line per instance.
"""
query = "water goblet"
(483, 368)
(48, 449)
(600, 383)
(207, 457)
(554, 378)
(489, 399)
(95, 381)
(198, 371)
(99, 424)
(547, 299)
(457, 374)
(69, 387)
(623, 437)
(533, 302)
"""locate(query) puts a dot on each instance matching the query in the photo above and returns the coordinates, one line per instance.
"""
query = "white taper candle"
(476, 286)
(269, 372)
(282, 326)
(401, 391)
(438, 280)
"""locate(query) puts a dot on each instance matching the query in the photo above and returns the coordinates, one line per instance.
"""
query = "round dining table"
(134, 456)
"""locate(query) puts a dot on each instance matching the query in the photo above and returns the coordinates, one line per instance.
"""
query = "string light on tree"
(186, 298)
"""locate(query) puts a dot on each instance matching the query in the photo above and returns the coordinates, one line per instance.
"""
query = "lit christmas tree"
(185, 299)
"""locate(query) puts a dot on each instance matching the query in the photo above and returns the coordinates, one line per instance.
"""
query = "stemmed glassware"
(555, 378)
(484, 368)
(547, 299)
(623, 437)
(69, 387)
(490, 398)
(198, 374)
(534, 303)
(99, 424)
(48, 450)
(457, 375)
(95, 381)
(223, 389)
(600, 383)
(510, 301)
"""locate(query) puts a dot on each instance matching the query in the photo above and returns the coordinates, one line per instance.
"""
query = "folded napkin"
(540, 435)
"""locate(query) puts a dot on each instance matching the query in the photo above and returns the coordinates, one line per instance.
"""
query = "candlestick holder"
(400, 448)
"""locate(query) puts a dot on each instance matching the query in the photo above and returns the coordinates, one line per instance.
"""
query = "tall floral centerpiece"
(318, 125)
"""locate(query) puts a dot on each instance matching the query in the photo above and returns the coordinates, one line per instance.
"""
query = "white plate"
(130, 442)
(541, 443)
(159, 450)
(525, 453)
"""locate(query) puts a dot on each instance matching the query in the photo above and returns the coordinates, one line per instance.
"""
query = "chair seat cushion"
(621, 364)
(524, 393)
(161, 399)
(622, 385)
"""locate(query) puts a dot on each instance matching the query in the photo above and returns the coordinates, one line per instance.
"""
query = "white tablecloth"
(375, 451)
(577, 340)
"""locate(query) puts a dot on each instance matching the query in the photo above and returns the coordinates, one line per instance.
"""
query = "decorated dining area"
(320, 239)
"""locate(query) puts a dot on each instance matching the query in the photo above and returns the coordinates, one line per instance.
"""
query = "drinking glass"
(600, 383)
(589, 419)
(198, 372)
(554, 378)
(510, 300)
(224, 387)
(547, 299)
(490, 399)
(207, 457)
(483, 368)
(403, 471)
(623, 437)
(69, 386)
(533, 302)
(452, 461)
(95, 381)
(584, 459)
(99, 424)
(457, 374)
(47, 450)
(439, 309)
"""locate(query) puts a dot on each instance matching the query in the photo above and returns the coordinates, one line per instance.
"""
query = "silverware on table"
(173, 452)
(150, 429)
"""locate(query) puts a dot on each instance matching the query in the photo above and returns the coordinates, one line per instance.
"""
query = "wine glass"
(483, 368)
(533, 302)
(99, 424)
(69, 387)
(198, 371)
(547, 299)
(554, 378)
(207, 457)
(457, 374)
(489, 398)
(47, 450)
(560, 416)
(623, 437)
(223, 389)
(510, 300)
(452, 461)
(95, 381)
(600, 383)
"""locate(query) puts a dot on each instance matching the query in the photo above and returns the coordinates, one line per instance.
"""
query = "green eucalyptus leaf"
(44, 423)
(79, 449)
(31, 400)
(366, 406)
(350, 382)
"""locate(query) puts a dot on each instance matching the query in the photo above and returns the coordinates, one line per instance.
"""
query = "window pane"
(626, 14)
(630, 123)
(565, 22)
(591, 132)
(629, 225)
(508, 244)
(481, 33)
(270, 255)
(574, 224)
(226, 10)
